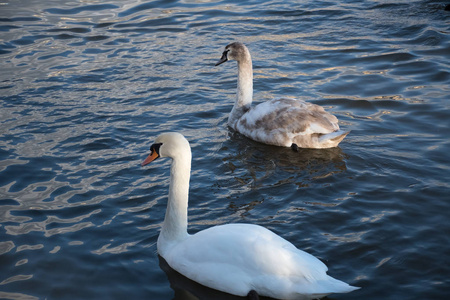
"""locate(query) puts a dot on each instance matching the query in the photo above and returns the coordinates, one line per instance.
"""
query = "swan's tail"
(332, 139)
(323, 287)
(337, 286)
(331, 285)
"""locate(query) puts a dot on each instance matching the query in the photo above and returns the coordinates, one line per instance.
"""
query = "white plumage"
(280, 122)
(233, 258)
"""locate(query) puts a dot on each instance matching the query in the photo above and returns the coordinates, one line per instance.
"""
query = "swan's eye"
(155, 148)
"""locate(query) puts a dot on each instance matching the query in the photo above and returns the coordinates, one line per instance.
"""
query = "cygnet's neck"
(244, 94)
(174, 228)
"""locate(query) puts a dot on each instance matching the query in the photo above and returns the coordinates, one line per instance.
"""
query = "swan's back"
(285, 121)
(236, 258)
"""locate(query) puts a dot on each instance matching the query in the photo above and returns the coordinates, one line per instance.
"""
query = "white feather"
(234, 258)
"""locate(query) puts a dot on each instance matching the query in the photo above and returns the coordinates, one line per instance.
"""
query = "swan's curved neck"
(175, 222)
(244, 93)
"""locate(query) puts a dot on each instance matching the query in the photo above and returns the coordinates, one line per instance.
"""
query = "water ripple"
(86, 87)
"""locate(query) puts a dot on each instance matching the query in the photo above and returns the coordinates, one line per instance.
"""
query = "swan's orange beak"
(153, 155)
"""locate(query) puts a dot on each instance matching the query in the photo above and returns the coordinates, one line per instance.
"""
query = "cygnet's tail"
(332, 139)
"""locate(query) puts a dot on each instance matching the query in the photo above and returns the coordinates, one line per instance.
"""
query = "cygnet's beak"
(223, 59)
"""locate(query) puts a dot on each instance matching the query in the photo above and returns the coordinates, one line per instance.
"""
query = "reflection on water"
(264, 166)
(185, 288)
(86, 86)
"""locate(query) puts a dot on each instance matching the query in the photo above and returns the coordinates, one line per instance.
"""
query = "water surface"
(86, 86)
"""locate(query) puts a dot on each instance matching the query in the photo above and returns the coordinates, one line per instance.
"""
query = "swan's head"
(171, 144)
(235, 51)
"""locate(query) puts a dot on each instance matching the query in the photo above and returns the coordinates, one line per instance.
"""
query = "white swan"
(234, 258)
(281, 122)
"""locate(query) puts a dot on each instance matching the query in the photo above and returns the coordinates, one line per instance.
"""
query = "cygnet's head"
(170, 144)
(235, 51)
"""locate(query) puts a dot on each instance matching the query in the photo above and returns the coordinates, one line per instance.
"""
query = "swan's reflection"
(255, 165)
(253, 155)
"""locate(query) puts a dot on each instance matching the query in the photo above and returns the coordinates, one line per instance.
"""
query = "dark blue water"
(85, 86)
